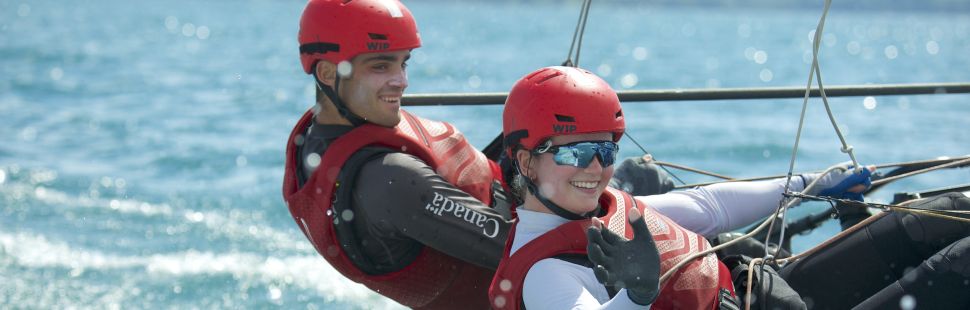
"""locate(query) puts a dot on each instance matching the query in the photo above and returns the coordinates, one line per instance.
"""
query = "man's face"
(374, 89)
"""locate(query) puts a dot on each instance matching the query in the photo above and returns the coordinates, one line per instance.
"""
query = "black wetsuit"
(900, 254)
(391, 222)
(899, 260)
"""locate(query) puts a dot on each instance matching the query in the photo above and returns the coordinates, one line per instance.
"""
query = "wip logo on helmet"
(379, 42)
(563, 128)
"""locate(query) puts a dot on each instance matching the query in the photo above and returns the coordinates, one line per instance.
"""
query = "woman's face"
(572, 188)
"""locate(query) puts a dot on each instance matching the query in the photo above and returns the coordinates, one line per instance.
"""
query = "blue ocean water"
(141, 142)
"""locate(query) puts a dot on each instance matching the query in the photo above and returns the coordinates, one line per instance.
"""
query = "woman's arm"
(724, 207)
(721, 207)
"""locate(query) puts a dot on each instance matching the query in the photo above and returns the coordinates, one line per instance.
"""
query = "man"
(370, 185)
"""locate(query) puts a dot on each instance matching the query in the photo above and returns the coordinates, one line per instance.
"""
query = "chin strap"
(552, 206)
(354, 119)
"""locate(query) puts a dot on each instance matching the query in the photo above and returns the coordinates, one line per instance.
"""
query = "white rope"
(814, 72)
(846, 148)
(798, 133)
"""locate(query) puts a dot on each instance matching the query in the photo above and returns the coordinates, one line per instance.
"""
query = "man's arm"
(400, 199)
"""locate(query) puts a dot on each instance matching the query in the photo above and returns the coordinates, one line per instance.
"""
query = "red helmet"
(338, 30)
(558, 101)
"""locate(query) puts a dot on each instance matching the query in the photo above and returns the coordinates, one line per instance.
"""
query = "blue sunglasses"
(580, 154)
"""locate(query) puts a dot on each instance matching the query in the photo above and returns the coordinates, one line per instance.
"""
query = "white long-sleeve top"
(556, 284)
(722, 207)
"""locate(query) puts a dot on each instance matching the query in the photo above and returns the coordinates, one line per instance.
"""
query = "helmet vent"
(548, 77)
(619, 114)
(565, 118)
(542, 79)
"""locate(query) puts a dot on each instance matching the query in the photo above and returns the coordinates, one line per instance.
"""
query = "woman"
(561, 125)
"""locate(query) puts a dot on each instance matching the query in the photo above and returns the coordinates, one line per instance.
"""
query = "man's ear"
(326, 72)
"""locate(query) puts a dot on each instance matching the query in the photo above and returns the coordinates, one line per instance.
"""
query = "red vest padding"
(434, 280)
(694, 286)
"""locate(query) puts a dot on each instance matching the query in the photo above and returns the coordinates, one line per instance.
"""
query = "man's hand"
(631, 264)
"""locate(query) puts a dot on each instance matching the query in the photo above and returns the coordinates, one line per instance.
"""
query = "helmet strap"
(552, 206)
(354, 119)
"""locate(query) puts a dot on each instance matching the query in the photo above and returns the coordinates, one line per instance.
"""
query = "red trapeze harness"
(433, 280)
(697, 285)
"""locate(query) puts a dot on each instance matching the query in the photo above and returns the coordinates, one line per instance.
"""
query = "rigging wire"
(627, 134)
(580, 30)
(694, 170)
(913, 167)
(956, 163)
(815, 71)
(947, 214)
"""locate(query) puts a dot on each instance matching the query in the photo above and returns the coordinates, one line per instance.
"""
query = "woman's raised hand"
(631, 264)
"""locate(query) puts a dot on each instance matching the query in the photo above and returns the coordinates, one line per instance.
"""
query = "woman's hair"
(517, 180)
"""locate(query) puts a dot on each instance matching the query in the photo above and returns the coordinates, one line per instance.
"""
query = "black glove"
(640, 176)
(631, 264)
